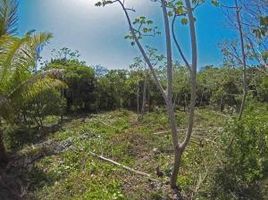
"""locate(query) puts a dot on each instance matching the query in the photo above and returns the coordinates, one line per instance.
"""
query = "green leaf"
(184, 21)
(215, 3)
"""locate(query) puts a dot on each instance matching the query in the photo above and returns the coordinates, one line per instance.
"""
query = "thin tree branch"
(193, 74)
(169, 51)
(178, 45)
(147, 60)
(240, 28)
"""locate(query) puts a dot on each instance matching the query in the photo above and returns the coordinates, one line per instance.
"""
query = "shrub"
(49, 102)
(245, 153)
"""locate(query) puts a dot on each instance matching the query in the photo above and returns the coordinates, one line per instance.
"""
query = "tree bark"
(181, 147)
(3, 154)
(169, 100)
(242, 43)
(185, 103)
(202, 96)
(148, 96)
(222, 104)
(176, 168)
(144, 96)
(138, 98)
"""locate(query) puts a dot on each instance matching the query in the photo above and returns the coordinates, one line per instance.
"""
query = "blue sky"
(98, 33)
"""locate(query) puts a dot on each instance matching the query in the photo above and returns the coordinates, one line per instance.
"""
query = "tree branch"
(178, 45)
(168, 50)
(146, 58)
(149, 176)
(193, 74)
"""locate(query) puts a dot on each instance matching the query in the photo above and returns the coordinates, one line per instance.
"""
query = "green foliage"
(65, 54)
(8, 17)
(18, 83)
(262, 88)
(220, 163)
(75, 174)
(113, 90)
(221, 86)
(244, 159)
(184, 21)
(15, 137)
(262, 30)
(49, 102)
(80, 79)
(144, 27)
(19, 80)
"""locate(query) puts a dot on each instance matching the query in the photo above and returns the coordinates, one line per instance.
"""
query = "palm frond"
(17, 61)
(18, 55)
(8, 17)
(28, 90)
(40, 39)
(15, 56)
(35, 85)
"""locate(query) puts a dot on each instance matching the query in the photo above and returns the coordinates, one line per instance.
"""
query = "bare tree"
(233, 52)
(244, 62)
(143, 76)
(244, 17)
(136, 35)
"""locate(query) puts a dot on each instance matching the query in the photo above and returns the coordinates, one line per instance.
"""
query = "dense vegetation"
(74, 131)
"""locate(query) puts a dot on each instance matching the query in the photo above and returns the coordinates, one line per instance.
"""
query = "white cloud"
(97, 32)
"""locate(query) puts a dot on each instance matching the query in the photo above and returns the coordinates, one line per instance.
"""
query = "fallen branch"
(161, 132)
(194, 129)
(124, 166)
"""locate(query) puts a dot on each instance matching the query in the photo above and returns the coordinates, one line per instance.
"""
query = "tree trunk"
(138, 98)
(202, 96)
(222, 104)
(176, 167)
(148, 97)
(244, 62)
(144, 96)
(185, 103)
(175, 141)
(179, 148)
(3, 154)
(242, 106)
(175, 101)
(168, 94)
(169, 100)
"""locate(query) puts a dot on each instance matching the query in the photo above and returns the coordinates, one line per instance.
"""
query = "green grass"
(118, 135)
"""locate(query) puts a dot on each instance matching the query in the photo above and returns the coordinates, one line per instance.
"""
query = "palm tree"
(18, 58)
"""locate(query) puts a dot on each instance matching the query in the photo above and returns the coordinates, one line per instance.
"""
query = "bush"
(47, 103)
(16, 137)
(80, 79)
(244, 156)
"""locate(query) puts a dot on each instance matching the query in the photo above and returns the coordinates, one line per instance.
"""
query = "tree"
(48, 102)
(65, 54)
(80, 78)
(143, 77)
(112, 90)
(17, 62)
(181, 87)
(144, 29)
(252, 37)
